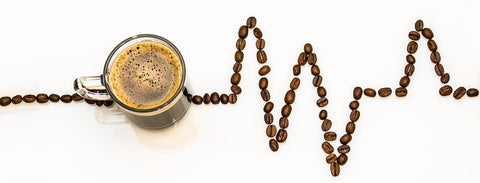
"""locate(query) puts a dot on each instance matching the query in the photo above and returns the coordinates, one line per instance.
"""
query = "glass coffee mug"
(145, 76)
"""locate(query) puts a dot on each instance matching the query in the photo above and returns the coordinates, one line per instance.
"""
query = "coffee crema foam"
(145, 75)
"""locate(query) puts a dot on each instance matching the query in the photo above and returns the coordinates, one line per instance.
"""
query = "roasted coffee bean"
(435, 57)
(330, 136)
(419, 25)
(312, 58)
(331, 158)
(283, 122)
(439, 69)
(286, 110)
(315, 70)
(404, 81)
(257, 33)
(323, 114)
(369, 92)
(43, 98)
(243, 32)
(322, 102)
(236, 89)
(354, 115)
(321, 91)
(75, 97)
(108, 103)
(282, 135)
(357, 93)
(296, 70)
(4, 101)
(224, 98)
(29, 98)
(17, 99)
(206, 98)
(263, 83)
(265, 95)
(268, 107)
(271, 130)
(295, 83)
(251, 22)
(264, 70)
(289, 97)
(354, 104)
(472, 92)
(273, 145)
(260, 44)
(410, 59)
(401, 92)
(412, 47)
(432, 46)
(343, 149)
(317, 80)
(232, 98)
(326, 125)
(459, 92)
(409, 69)
(215, 98)
(189, 97)
(238, 56)
(335, 169)
(88, 101)
(342, 159)
(445, 90)
(327, 147)
(66, 98)
(261, 56)
(99, 103)
(346, 138)
(240, 45)
(268, 118)
(414, 35)
(350, 128)
(445, 78)
(302, 59)
(235, 79)
(308, 48)
(427, 33)
(384, 92)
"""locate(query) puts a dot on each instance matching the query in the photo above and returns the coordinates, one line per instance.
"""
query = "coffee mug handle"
(91, 87)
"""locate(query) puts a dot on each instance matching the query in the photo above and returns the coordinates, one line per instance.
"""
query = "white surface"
(421, 138)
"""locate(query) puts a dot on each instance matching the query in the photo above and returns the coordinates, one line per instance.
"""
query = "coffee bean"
(354, 105)
(445, 90)
(432, 46)
(243, 32)
(238, 56)
(261, 56)
(268, 107)
(327, 147)
(350, 128)
(265, 95)
(88, 101)
(317, 80)
(357, 93)
(271, 130)
(445, 78)
(251, 22)
(235, 79)
(29, 98)
(404, 81)
(240, 45)
(66, 98)
(427, 33)
(17, 99)
(312, 58)
(260, 44)
(419, 25)
(206, 98)
(108, 103)
(330, 136)
(410, 59)
(326, 125)
(459, 92)
(43, 98)
(232, 98)
(283, 122)
(263, 83)
(189, 97)
(273, 145)
(354, 115)
(401, 92)
(75, 97)
(412, 47)
(282, 135)
(331, 158)
(264, 70)
(335, 169)
(342, 159)
(224, 98)
(322, 102)
(384, 92)
(268, 118)
(315, 70)
(215, 98)
(435, 57)
(346, 138)
(302, 59)
(308, 48)
(258, 33)
(343, 149)
(409, 69)
(296, 70)
(4, 101)
(321, 91)
(472, 92)
(439, 69)
(286, 110)
(295, 83)
(289, 97)
(236, 89)
(414, 35)
(323, 114)
(99, 102)
(369, 92)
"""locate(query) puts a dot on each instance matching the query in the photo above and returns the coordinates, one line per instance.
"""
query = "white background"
(424, 137)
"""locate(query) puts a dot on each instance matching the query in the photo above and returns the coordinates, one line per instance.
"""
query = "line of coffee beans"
(44, 98)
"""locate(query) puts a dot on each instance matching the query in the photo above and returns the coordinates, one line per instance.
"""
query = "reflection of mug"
(145, 75)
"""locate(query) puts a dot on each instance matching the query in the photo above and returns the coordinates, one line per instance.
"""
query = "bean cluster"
(44, 98)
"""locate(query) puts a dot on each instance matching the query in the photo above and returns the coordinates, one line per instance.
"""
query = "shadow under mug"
(98, 88)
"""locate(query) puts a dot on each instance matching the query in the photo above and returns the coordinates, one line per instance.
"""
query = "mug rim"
(111, 59)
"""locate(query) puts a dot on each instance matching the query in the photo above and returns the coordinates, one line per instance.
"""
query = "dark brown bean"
(264, 70)
(43, 98)
(435, 57)
(268, 107)
(342, 159)
(343, 149)
(283, 122)
(232, 98)
(75, 97)
(350, 128)
(88, 101)
(323, 114)
(369, 92)
(108, 103)
(282, 135)
(308, 48)
(414, 35)
(238, 56)
(295, 83)
(265, 94)
(401, 92)
(66, 98)
(419, 25)
(268, 118)
(224, 98)
(410, 59)
(197, 99)
(322, 102)
(243, 32)
(315, 70)
(427, 33)
(286, 110)
(289, 97)
(4, 101)
(459, 92)
(472, 92)
(251, 22)
(327, 147)
(236, 89)
(235, 79)
(317, 80)
(206, 98)
(404, 81)
(17, 99)
(439, 69)
(354, 104)
(321, 91)
(346, 138)
(260, 44)
(330, 136)
(445, 90)
(445, 78)
(257, 33)
(240, 45)
(261, 56)
(331, 158)
(409, 69)
(412, 47)
(29, 98)
(263, 83)
(312, 58)
(99, 102)
(302, 58)
(432, 46)
(335, 169)
(296, 70)
(326, 125)
(215, 98)
(385, 92)
(273, 145)
(357, 93)
(354, 115)
(271, 130)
